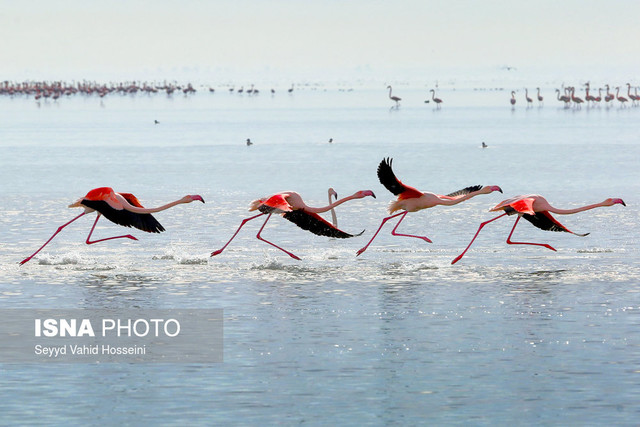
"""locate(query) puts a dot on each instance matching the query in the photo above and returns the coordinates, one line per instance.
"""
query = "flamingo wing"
(144, 222)
(518, 204)
(393, 184)
(545, 221)
(464, 191)
(131, 199)
(316, 224)
(275, 204)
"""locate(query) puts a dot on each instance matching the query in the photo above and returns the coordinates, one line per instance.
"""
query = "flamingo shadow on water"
(290, 205)
(537, 210)
(120, 208)
(413, 200)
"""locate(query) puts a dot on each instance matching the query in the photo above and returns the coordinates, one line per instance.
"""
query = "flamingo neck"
(576, 210)
(128, 206)
(331, 205)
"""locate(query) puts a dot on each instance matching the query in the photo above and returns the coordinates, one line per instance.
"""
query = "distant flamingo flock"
(621, 95)
(59, 89)
(124, 209)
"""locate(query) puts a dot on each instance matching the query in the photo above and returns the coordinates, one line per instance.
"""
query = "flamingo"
(599, 97)
(587, 96)
(537, 210)
(513, 98)
(413, 200)
(120, 208)
(393, 98)
(540, 97)
(620, 99)
(526, 95)
(332, 194)
(574, 98)
(438, 101)
(291, 206)
(633, 98)
(563, 98)
(609, 97)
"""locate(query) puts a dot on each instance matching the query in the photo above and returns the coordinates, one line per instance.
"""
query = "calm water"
(510, 335)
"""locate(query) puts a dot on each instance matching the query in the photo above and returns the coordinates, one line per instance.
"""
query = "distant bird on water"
(120, 208)
(484, 144)
(249, 142)
(290, 205)
(513, 98)
(413, 200)
(394, 98)
(527, 97)
(540, 97)
(438, 101)
(535, 209)
(620, 99)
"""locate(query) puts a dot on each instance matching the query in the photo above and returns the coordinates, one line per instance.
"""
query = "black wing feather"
(144, 222)
(315, 224)
(388, 178)
(545, 221)
(465, 190)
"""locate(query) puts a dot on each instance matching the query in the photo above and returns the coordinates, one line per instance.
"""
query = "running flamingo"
(120, 208)
(536, 210)
(291, 206)
(413, 200)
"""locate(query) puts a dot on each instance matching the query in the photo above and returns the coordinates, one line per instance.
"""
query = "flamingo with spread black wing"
(290, 205)
(537, 210)
(120, 208)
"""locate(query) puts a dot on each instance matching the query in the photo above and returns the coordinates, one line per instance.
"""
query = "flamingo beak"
(196, 197)
(619, 201)
(496, 188)
(370, 193)
(76, 204)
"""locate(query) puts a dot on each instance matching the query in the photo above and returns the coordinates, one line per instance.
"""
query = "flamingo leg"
(50, 238)
(459, 257)
(378, 230)
(275, 246)
(244, 221)
(89, 242)
(426, 239)
(509, 241)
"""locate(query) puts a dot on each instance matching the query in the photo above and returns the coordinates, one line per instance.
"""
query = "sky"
(45, 39)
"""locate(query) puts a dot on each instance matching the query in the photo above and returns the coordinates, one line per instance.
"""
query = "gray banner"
(120, 336)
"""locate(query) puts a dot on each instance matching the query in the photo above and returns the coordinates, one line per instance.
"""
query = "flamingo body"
(104, 201)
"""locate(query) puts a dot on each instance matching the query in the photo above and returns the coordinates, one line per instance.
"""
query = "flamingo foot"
(218, 252)
(294, 256)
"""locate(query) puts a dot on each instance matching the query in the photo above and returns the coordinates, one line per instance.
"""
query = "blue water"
(509, 335)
